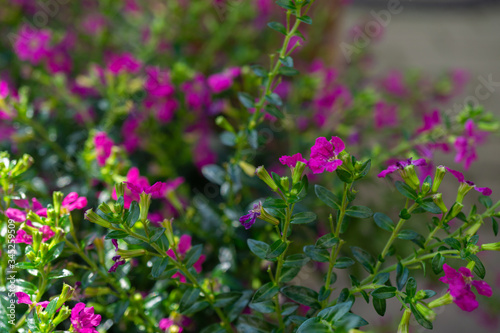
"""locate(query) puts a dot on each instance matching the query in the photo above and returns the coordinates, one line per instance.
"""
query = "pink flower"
(183, 246)
(460, 287)
(196, 93)
(103, 145)
(461, 179)
(165, 323)
(324, 154)
(23, 237)
(431, 121)
(46, 232)
(249, 219)
(135, 178)
(83, 319)
(401, 165)
(124, 63)
(15, 214)
(35, 206)
(73, 201)
(117, 259)
(394, 84)
(220, 82)
(386, 115)
(59, 61)
(130, 138)
(158, 83)
(154, 190)
(4, 89)
(466, 145)
(165, 110)
(291, 161)
(23, 298)
(93, 24)
(32, 45)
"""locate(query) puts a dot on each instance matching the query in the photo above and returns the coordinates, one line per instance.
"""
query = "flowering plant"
(169, 224)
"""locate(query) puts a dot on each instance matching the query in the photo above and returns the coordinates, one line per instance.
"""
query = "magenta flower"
(154, 190)
(386, 115)
(291, 161)
(83, 319)
(431, 121)
(183, 246)
(220, 82)
(196, 93)
(47, 232)
(117, 259)
(32, 45)
(324, 154)
(23, 237)
(165, 323)
(394, 84)
(73, 201)
(59, 61)
(124, 63)
(4, 89)
(460, 287)
(249, 219)
(23, 298)
(466, 145)
(130, 138)
(35, 206)
(401, 165)
(461, 179)
(135, 178)
(165, 110)
(103, 145)
(15, 214)
(158, 83)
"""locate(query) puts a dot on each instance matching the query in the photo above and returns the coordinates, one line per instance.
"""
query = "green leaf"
(259, 70)
(133, 214)
(276, 249)
(384, 292)
(411, 287)
(287, 61)
(343, 262)
(55, 251)
(301, 295)
(381, 278)
(404, 214)
(316, 325)
(51, 308)
(288, 71)
(287, 4)
(274, 99)
(495, 226)
(302, 218)
(334, 313)
(25, 265)
(25, 286)
(350, 321)
(193, 255)
(278, 27)
(437, 263)
(116, 234)
(406, 190)
(246, 99)
(327, 197)
(196, 307)
(120, 308)
(360, 212)
(296, 260)
(431, 207)
(486, 201)
(327, 241)
(59, 273)
(159, 267)
(364, 258)
(383, 221)
(189, 297)
(214, 328)
(407, 234)
(157, 233)
(235, 309)
(274, 111)
(267, 291)
(317, 254)
(258, 248)
(263, 307)
(453, 243)
(306, 19)
(288, 274)
(420, 318)
(478, 267)
(380, 306)
(225, 299)
(344, 176)
(402, 274)
(214, 173)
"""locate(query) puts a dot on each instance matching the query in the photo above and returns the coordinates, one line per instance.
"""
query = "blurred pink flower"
(103, 145)
(183, 246)
(386, 115)
(465, 145)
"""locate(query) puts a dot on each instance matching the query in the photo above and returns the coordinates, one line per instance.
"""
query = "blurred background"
(431, 35)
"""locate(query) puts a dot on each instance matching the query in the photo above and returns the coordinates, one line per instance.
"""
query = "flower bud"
(34, 217)
(455, 209)
(223, 123)
(265, 216)
(410, 177)
(94, 218)
(438, 178)
(298, 170)
(441, 301)
(405, 322)
(262, 173)
(463, 189)
(474, 228)
(22, 165)
(127, 254)
(490, 247)
(346, 160)
(247, 168)
(99, 246)
(57, 197)
(426, 187)
(167, 224)
(426, 312)
(119, 189)
(66, 294)
(144, 203)
(37, 240)
(105, 208)
(62, 315)
(285, 183)
(438, 200)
